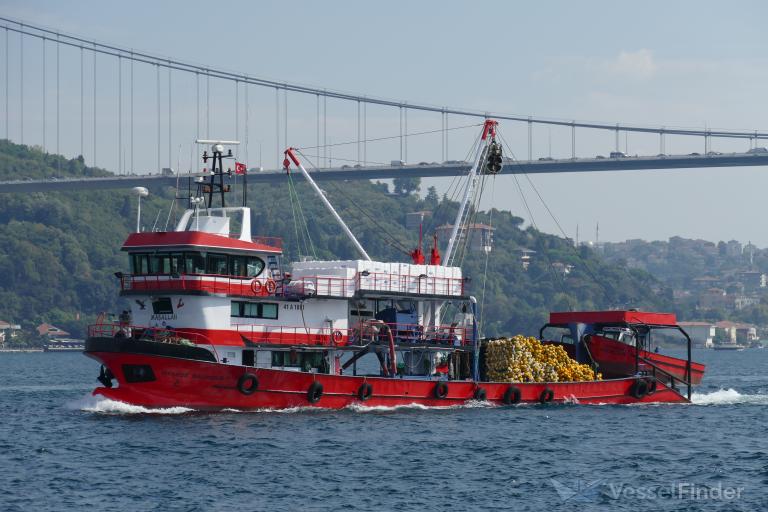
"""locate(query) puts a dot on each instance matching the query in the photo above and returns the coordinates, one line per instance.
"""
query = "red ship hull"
(616, 358)
(205, 385)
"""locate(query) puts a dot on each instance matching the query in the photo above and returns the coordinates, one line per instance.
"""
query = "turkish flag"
(240, 168)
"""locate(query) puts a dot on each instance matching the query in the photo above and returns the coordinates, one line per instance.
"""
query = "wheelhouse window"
(217, 264)
(160, 263)
(242, 309)
(245, 266)
(140, 264)
(196, 263)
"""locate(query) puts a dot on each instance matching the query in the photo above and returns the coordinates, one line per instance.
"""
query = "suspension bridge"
(135, 113)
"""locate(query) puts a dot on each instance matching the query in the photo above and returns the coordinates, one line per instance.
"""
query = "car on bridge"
(758, 151)
(618, 154)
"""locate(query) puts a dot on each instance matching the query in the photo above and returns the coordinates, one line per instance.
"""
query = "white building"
(702, 333)
(7, 331)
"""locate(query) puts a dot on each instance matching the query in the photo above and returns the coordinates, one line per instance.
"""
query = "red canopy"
(199, 239)
(612, 317)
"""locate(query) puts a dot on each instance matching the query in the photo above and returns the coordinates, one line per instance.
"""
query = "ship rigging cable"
(390, 137)
(299, 221)
(393, 241)
(587, 268)
(481, 323)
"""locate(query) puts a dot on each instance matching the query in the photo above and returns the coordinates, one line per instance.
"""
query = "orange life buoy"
(271, 286)
(256, 286)
(337, 336)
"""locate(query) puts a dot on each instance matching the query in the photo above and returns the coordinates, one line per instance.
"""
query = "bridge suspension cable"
(24, 28)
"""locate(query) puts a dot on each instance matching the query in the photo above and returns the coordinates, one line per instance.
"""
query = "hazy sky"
(691, 64)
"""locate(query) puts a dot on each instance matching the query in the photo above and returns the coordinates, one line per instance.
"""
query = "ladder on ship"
(274, 268)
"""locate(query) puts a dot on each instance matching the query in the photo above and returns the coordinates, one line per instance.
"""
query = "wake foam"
(727, 397)
(471, 404)
(102, 405)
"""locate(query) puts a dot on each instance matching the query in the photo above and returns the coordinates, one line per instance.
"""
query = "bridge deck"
(422, 171)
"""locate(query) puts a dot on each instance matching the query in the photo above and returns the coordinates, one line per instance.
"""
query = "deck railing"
(362, 334)
(325, 286)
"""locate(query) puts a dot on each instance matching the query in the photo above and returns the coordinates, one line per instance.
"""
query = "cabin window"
(242, 309)
(304, 360)
(237, 266)
(177, 263)
(269, 310)
(253, 266)
(139, 264)
(162, 306)
(194, 263)
(245, 266)
(159, 264)
(251, 310)
(217, 264)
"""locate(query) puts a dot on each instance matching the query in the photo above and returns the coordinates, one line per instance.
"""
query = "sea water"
(62, 449)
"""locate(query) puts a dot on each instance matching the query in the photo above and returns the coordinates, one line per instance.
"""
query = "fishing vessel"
(218, 320)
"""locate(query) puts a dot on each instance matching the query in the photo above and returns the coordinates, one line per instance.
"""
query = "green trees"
(406, 186)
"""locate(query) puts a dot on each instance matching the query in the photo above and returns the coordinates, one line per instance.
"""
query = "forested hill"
(58, 251)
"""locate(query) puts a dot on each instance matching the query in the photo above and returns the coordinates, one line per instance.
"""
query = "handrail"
(302, 285)
(665, 372)
(213, 283)
(352, 336)
(304, 335)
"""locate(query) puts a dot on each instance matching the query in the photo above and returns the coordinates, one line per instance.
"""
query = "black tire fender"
(546, 395)
(480, 394)
(512, 396)
(247, 383)
(441, 390)
(639, 388)
(314, 392)
(365, 391)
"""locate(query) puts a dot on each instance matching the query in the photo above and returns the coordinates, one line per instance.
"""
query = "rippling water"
(61, 449)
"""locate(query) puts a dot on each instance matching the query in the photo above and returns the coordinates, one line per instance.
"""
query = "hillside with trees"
(59, 251)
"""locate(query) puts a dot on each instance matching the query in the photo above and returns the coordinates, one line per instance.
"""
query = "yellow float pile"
(521, 359)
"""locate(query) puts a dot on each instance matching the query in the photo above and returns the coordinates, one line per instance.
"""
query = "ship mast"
(217, 169)
(289, 153)
(488, 160)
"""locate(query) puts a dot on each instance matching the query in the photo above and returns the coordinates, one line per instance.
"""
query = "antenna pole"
(245, 187)
(286, 164)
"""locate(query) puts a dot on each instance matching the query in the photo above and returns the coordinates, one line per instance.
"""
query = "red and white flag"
(240, 168)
